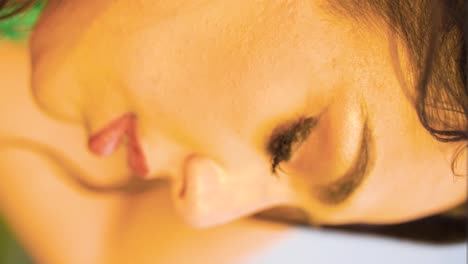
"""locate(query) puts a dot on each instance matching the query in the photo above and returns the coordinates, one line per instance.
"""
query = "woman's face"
(214, 85)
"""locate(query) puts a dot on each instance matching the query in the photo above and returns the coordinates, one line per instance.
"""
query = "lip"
(108, 139)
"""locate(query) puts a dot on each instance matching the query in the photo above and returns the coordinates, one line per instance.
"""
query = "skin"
(210, 80)
(207, 101)
(58, 221)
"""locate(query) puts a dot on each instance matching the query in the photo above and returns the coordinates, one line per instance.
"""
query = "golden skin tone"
(209, 82)
(58, 221)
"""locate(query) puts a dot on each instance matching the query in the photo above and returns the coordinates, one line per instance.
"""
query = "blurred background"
(10, 250)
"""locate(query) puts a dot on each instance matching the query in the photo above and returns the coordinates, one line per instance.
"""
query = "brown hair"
(14, 7)
(435, 34)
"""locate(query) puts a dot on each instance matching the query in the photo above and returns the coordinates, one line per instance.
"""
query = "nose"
(207, 195)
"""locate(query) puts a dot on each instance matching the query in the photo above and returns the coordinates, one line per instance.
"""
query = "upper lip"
(105, 141)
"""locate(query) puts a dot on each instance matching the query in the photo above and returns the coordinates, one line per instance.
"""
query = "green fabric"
(10, 250)
(18, 27)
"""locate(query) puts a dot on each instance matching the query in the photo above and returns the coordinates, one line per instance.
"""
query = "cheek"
(411, 179)
(409, 192)
(62, 25)
(68, 57)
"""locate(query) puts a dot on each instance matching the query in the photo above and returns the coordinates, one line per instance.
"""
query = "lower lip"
(106, 141)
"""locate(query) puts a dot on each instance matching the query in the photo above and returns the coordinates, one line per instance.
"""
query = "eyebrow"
(340, 190)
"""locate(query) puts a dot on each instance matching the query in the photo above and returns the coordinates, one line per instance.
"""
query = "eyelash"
(281, 150)
(281, 145)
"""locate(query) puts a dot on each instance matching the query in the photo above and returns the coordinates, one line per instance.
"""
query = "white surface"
(316, 246)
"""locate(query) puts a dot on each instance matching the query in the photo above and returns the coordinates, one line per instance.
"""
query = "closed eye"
(287, 138)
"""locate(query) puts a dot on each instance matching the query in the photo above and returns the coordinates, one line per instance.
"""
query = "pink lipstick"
(106, 141)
